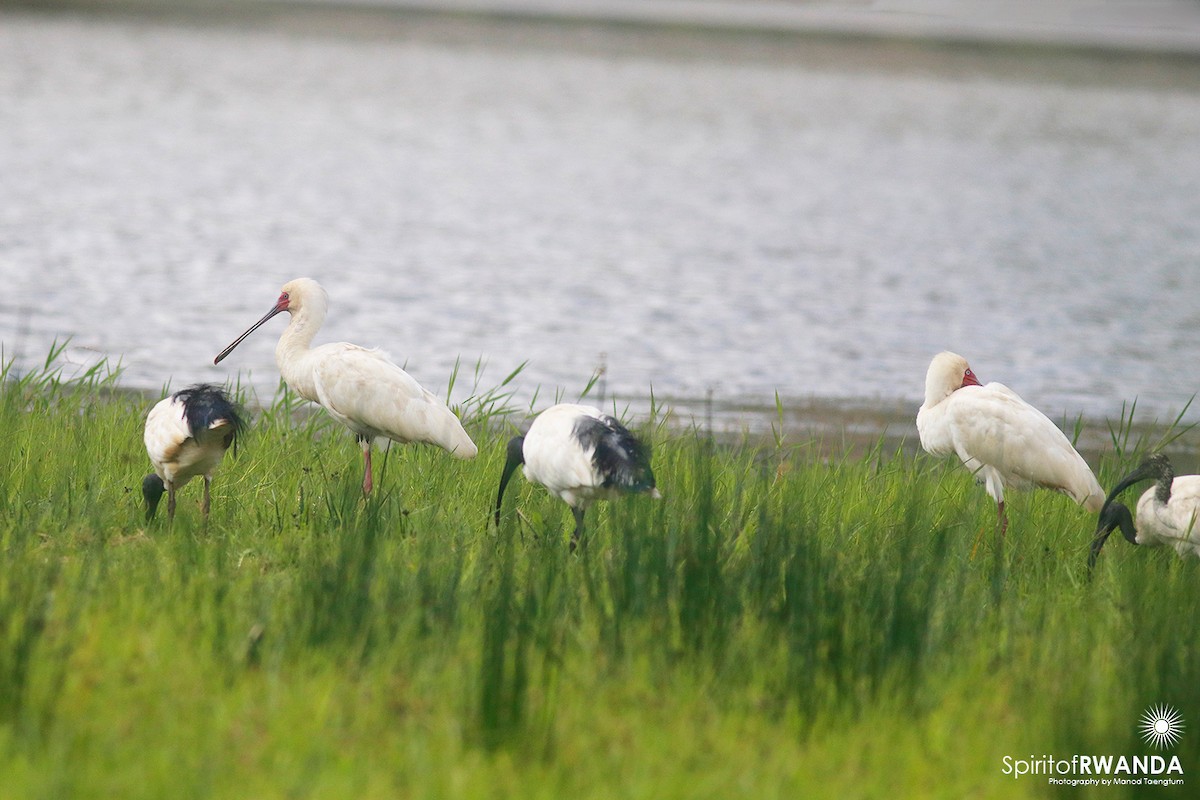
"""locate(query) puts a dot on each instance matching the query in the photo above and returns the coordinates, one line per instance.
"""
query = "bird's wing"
(369, 394)
(620, 457)
(559, 465)
(166, 431)
(933, 428)
(554, 456)
(210, 416)
(993, 426)
(1178, 520)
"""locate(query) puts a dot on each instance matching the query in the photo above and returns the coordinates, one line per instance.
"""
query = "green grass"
(783, 624)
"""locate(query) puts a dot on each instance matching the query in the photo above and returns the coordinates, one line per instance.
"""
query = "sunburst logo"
(1161, 726)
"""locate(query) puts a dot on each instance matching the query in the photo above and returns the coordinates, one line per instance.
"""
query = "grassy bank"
(782, 624)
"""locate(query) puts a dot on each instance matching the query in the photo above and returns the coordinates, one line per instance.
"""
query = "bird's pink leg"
(367, 482)
(1002, 518)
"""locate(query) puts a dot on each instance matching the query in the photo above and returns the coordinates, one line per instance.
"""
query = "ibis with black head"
(580, 455)
(1167, 512)
(187, 434)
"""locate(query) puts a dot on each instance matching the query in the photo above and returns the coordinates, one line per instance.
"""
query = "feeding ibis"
(999, 437)
(360, 388)
(581, 455)
(1166, 512)
(187, 434)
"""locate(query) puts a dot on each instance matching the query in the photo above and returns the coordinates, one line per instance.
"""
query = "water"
(713, 213)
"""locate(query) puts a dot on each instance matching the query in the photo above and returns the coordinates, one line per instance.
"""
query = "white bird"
(187, 435)
(360, 388)
(1166, 512)
(999, 437)
(580, 455)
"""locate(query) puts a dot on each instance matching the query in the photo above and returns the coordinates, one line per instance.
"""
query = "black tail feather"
(205, 404)
(619, 456)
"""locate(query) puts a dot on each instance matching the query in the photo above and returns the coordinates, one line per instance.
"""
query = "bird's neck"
(1162, 487)
(935, 394)
(293, 348)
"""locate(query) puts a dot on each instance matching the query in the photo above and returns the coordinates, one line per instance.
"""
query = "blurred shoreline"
(1167, 29)
(857, 426)
(831, 427)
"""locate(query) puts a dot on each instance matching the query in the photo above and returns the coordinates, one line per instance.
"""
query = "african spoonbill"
(360, 388)
(1000, 438)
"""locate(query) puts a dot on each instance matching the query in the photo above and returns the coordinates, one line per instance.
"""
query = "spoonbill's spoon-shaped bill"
(360, 388)
(280, 305)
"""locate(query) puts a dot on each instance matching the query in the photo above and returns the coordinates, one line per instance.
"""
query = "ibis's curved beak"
(1147, 469)
(515, 457)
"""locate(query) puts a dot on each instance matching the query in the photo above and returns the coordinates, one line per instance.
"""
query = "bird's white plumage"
(580, 455)
(373, 397)
(360, 388)
(555, 459)
(1000, 438)
(178, 453)
(1173, 523)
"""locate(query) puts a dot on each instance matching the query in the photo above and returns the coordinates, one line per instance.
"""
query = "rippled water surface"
(713, 213)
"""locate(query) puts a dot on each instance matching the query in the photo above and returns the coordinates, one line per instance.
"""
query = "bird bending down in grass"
(999, 437)
(1167, 512)
(187, 435)
(360, 388)
(580, 455)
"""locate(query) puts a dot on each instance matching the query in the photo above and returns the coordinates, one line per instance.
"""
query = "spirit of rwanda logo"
(1161, 726)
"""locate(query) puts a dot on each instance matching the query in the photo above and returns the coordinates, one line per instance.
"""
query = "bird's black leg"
(207, 502)
(1002, 518)
(170, 501)
(578, 533)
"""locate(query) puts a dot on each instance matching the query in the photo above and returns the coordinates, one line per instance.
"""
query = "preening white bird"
(1166, 512)
(187, 435)
(580, 455)
(359, 388)
(1001, 439)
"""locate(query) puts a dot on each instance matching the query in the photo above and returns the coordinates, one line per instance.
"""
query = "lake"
(724, 213)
